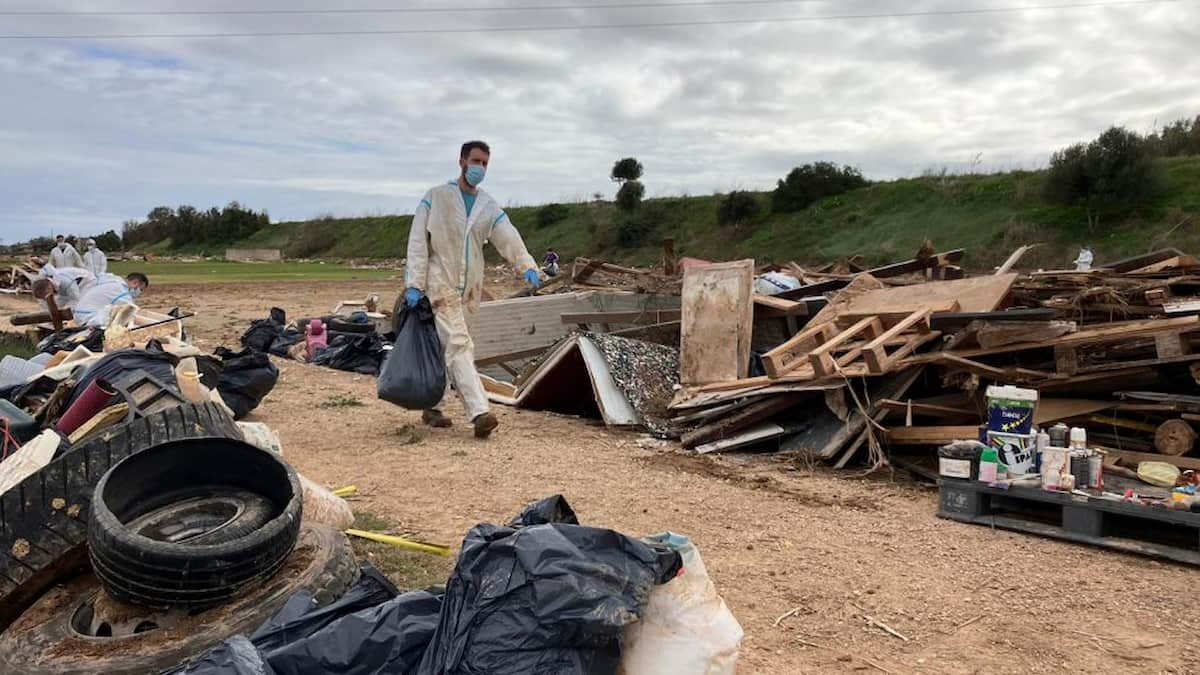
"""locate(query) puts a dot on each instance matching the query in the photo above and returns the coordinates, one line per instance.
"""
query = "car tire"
(43, 519)
(138, 569)
(48, 640)
(340, 326)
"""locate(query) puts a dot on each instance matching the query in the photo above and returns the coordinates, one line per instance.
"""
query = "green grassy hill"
(989, 215)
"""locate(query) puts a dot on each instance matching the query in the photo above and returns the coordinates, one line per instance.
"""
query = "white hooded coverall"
(69, 284)
(95, 261)
(445, 261)
(65, 256)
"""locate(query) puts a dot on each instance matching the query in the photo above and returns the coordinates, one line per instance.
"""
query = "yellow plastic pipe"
(346, 491)
(401, 542)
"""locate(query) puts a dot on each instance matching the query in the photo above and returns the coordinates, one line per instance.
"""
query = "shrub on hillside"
(806, 184)
(550, 214)
(736, 208)
(630, 196)
(1112, 174)
(638, 227)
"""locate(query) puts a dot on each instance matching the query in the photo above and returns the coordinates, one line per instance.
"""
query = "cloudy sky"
(729, 95)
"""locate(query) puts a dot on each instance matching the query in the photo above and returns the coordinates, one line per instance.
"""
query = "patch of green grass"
(16, 344)
(341, 401)
(407, 569)
(223, 271)
(410, 434)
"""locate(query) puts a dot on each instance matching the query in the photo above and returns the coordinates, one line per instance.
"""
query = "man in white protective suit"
(64, 254)
(445, 263)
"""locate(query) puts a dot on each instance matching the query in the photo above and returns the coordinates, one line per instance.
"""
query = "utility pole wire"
(611, 26)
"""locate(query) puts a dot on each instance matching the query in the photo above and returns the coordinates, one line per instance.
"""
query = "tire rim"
(101, 617)
(188, 518)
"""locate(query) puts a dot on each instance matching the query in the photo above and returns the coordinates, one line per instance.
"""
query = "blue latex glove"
(412, 296)
(532, 278)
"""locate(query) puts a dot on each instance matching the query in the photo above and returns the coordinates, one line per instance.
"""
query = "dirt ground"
(802, 555)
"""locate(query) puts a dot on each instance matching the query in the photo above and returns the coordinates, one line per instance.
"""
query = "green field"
(989, 215)
(219, 271)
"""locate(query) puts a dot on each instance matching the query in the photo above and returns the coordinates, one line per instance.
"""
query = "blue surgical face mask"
(475, 174)
(134, 292)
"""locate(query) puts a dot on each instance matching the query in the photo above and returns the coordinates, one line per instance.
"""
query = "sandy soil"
(779, 537)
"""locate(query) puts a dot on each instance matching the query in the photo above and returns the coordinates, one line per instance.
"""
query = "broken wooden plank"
(940, 435)
(1012, 373)
(1108, 333)
(1139, 261)
(716, 320)
(1135, 457)
(892, 270)
(1170, 345)
(990, 335)
(639, 318)
(741, 419)
(890, 319)
(976, 294)
(511, 356)
(1057, 409)
(1014, 257)
(926, 409)
(777, 306)
(949, 320)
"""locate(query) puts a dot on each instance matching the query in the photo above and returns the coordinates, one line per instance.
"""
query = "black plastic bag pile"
(542, 595)
(245, 379)
(271, 335)
(355, 353)
(414, 373)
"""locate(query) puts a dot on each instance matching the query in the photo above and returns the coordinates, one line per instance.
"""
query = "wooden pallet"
(862, 347)
(1131, 528)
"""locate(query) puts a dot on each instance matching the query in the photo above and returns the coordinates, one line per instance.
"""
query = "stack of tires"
(192, 536)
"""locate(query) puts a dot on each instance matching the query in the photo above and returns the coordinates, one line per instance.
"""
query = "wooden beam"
(641, 318)
(931, 435)
(892, 270)
(1135, 457)
(1109, 333)
(780, 307)
(926, 409)
(511, 356)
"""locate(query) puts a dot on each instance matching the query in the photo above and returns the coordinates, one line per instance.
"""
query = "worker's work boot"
(436, 419)
(485, 424)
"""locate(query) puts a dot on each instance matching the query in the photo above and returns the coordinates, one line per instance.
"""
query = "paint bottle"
(1040, 445)
(1078, 438)
(315, 338)
(989, 466)
(1058, 435)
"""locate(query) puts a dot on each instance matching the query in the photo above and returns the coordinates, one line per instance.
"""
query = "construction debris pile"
(860, 366)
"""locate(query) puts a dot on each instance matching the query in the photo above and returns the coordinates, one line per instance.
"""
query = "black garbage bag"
(246, 379)
(113, 365)
(549, 510)
(370, 629)
(69, 338)
(300, 618)
(286, 338)
(262, 332)
(355, 353)
(547, 598)
(414, 374)
(390, 637)
(235, 656)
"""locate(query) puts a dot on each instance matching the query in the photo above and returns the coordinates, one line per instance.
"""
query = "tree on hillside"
(809, 183)
(109, 241)
(736, 208)
(1179, 138)
(1112, 174)
(629, 197)
(626, 169)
